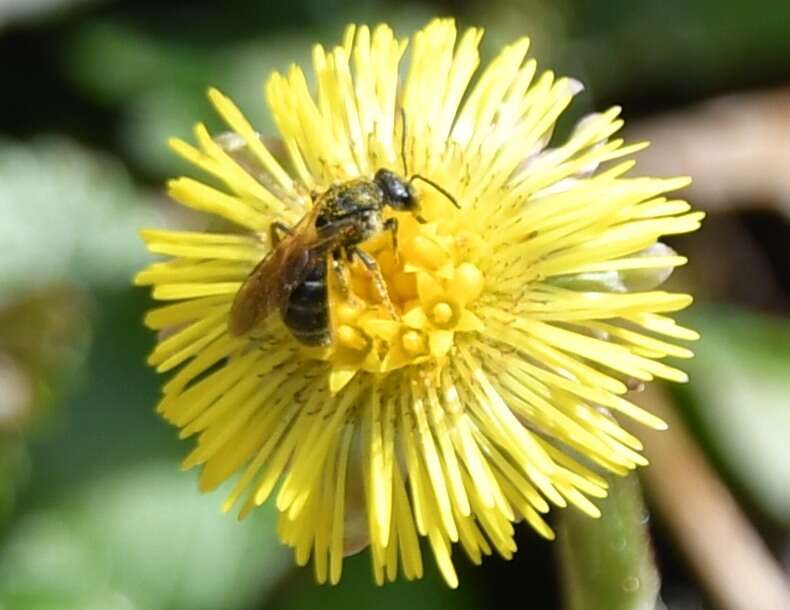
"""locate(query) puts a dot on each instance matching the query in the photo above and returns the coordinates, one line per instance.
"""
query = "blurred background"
(94, 512)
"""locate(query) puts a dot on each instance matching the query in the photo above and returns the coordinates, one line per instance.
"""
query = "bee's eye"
(397, 192)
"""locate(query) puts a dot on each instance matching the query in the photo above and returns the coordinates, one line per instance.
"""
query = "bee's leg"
(280, 227)
(378, 280)
(340, 273)
(391, 225)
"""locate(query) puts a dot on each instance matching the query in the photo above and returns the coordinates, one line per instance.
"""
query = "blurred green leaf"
(738, 395)
(108, 521)
(621, 47)
(158, 113)
(44, 338)
(13, 11)
(66, 213)
(607, 563)
(160, 83)
(110, 417)
(116, 61)
(43, 343)
(141, 538)
(14, 467)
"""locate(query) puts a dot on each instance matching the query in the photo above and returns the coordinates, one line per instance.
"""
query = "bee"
(292, 277)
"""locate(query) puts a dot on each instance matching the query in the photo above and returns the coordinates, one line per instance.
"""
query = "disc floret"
(433, 293)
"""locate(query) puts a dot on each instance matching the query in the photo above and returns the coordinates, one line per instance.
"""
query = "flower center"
(442, 313)
(410, 308)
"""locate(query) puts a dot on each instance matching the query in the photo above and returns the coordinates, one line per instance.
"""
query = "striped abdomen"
(306, 312)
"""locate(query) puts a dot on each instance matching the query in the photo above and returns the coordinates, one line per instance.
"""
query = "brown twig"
(731, 561)
(736, 148)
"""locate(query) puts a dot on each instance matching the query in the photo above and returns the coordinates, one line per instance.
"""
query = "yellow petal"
(429, 289)
(415, 318)
(339, 378)
(386, 329)
(441, 341)
(469, 322)
(394, 359)
(446, 271)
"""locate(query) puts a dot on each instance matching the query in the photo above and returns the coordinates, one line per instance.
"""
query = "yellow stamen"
(346, 312)
(414, 342)
(442, 313)
(349, 336)
(468, 281)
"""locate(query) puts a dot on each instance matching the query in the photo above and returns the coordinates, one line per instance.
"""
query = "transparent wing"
(268, 286)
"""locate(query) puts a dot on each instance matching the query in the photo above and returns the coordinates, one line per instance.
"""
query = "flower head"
(478, 385)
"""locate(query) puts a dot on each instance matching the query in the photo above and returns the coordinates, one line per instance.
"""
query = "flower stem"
(608, 562)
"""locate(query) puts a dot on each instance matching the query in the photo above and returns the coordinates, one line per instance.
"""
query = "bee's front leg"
(391, 225)
(378, 280)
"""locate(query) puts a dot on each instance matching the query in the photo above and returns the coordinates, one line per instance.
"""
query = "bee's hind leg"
(378, 280)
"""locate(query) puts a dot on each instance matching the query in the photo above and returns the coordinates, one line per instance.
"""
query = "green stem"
(608, 562)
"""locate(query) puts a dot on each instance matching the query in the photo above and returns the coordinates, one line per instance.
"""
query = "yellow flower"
(487, 390)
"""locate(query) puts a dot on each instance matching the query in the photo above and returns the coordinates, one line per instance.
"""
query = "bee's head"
(398, 193)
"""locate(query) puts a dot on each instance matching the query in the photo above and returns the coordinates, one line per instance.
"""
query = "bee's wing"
(269, 285)
(272, 280)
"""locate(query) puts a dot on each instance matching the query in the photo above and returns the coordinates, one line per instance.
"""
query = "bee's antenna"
(437, 187)
(417, 176)
(403, 142)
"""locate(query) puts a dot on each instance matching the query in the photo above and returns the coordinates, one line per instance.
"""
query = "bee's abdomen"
(306, 312)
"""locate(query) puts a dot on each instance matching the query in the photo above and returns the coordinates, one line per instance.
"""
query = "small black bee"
(293, 276)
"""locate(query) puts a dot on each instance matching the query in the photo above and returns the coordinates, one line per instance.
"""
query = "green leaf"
(114, 61)
(607, 562)
(738, 398)
(66, 213)
(14, 466)
(159, 81)
(162, 86)
(108, 520)
(171, 108)
(141, 538)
